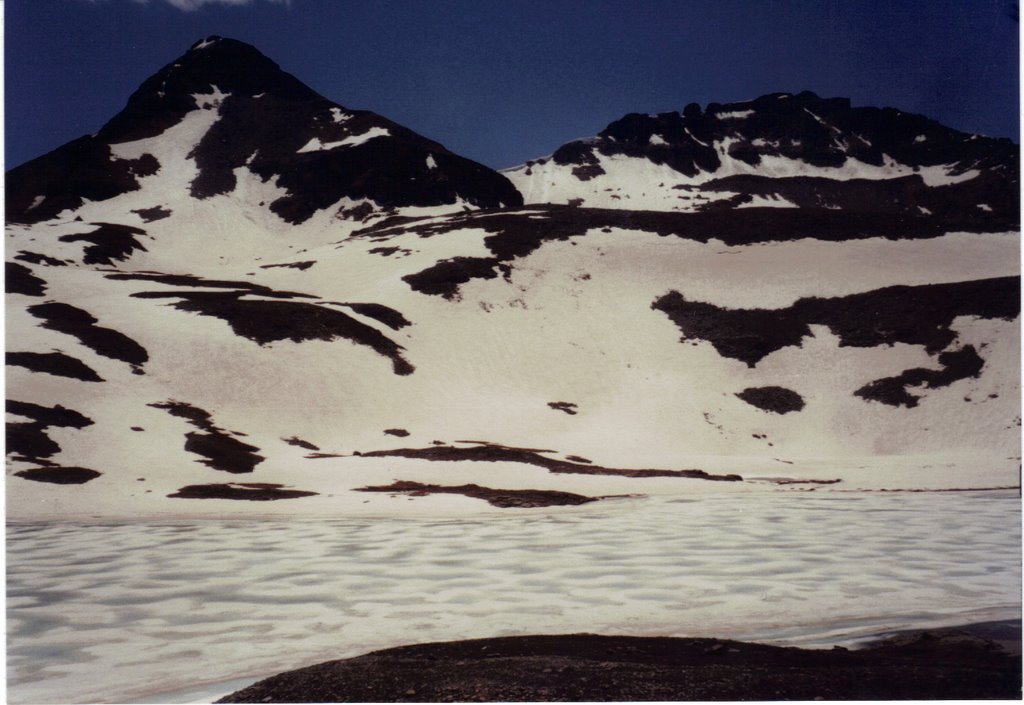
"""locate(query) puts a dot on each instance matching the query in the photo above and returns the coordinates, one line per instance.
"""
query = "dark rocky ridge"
(266, 118)
(822, 132)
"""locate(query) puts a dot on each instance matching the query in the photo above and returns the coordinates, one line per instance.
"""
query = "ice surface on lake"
(118, 611)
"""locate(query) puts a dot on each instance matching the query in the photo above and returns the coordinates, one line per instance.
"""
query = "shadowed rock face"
(270, 123)
(64, 178)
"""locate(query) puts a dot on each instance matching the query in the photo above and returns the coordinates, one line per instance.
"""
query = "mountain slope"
(337, 320)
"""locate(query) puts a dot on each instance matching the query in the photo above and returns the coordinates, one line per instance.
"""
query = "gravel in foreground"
(962, 664)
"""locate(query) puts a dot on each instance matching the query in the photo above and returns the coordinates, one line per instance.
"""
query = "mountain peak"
(213, 64)
(251, 121)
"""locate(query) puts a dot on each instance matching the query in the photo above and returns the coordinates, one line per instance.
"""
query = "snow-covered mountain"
(783, 151)
(224, 120)
(238, 290)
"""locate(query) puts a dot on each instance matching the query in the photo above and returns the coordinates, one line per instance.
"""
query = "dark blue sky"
(502, 81)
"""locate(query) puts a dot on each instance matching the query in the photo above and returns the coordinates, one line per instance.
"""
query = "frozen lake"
(120, 611)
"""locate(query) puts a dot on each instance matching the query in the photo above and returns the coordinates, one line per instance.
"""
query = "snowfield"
(168, 611)
(586, 333)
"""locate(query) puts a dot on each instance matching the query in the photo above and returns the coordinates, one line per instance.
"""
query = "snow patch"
(205, 43)
(769, 201)
(431, 164)
(339, 116)
(657, 139)
(700, 142)
(212, 100)
(315, 145)
(735, 115)
(919, 139)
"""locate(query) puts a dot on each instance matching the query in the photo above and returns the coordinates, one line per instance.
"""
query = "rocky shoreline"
(971, 662)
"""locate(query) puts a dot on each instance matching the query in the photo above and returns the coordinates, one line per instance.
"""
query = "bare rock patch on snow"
(298, 442)
(246, 491)
(956, 365)
(516, 234)
(915, 315)
(564, 406)
(523, 499)
(219, 449)
(151, 214)
(37, 258)
(19, 279)
(108, 242)
(480, 451)
(67, 319)
(53, 363)
(265, 322)
(59, 475)
(28, 440)
(778, 400)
